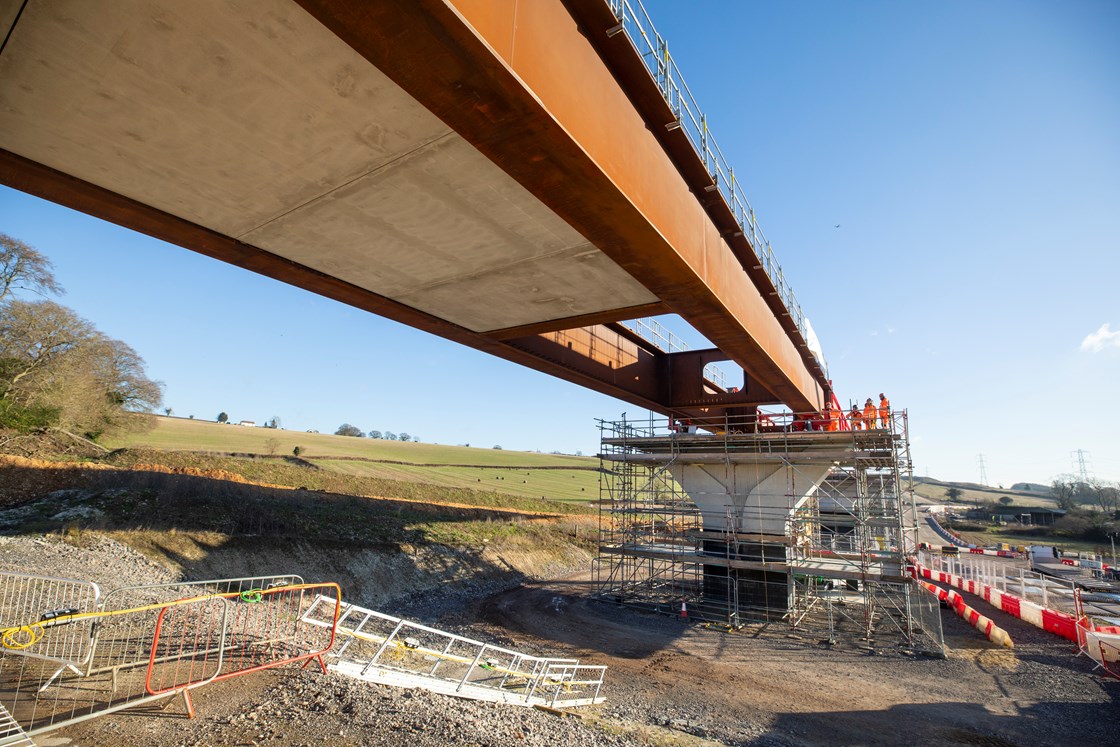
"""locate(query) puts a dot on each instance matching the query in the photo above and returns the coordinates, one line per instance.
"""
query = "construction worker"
(869, 413)
(856, 417)
(832, 413)
(884, 411)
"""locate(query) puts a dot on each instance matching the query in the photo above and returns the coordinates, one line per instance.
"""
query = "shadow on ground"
(1000, 724)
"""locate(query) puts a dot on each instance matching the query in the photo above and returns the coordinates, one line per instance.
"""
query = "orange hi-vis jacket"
(884, 411)
(869, 413)
(833, 416)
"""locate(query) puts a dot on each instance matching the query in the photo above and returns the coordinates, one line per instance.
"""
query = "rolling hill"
(516, 473)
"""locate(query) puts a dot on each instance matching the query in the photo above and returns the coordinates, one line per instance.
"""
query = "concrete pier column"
(755, 502)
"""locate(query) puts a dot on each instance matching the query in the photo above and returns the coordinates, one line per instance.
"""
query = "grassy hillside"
(180, 434)
(383, 518)
(934, 492)
(218, 517)
(514, 473)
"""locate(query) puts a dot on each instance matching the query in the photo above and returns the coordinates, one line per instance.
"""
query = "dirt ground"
(766, 687)
(670, 683)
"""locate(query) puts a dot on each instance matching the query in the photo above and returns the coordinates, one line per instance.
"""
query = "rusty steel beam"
(571, 322)
(689, 390)
(553, 117)
(520, 82)
(595, 20)
(604, 354)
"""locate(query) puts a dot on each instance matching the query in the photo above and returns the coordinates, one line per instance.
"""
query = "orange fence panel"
(201, 640)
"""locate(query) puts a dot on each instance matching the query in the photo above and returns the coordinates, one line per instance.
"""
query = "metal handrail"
(654, 51)
(662, 338)
(760, 423)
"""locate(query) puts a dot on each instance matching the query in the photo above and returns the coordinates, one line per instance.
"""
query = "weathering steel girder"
(529, 113)
(426, 48)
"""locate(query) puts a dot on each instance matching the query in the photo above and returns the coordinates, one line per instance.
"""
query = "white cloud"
(1102, 339)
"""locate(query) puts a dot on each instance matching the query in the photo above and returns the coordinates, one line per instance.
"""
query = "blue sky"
(969, 151)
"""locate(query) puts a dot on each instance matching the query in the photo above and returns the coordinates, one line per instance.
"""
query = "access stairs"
(390, 650)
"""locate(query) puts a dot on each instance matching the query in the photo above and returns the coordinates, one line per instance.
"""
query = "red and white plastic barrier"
(1093, 640)
(985, 625)
(1079, 564)
(993, 553)
(1058, 623)
(1101, 647)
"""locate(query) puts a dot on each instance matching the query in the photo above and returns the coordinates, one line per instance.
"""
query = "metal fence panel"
(188, 645)
(34, 617)
(143, 643)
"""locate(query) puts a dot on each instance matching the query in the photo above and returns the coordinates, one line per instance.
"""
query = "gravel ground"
(100, 559)
(669, 683)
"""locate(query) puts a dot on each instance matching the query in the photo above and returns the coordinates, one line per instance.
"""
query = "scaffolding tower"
(764, 519)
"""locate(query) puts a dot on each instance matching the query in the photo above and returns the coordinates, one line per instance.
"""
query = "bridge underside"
(474, 169)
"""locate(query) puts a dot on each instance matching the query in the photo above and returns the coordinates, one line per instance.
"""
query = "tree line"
(1072, 493)
(57, 370)
(352, 430)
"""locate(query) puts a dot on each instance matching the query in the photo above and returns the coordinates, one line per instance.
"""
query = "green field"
(181, 434)
(516, 473)
(554, 484)
(936, 494)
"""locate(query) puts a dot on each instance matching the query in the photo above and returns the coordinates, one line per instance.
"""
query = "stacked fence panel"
(67, 657)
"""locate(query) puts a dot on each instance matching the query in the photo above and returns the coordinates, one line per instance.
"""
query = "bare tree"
(35, 335)
(119, 371)
(24, 268)
(52, 360)
(1104, 495)
(99, 386)
(1064, 490)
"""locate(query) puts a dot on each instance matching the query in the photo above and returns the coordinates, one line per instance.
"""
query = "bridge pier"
(755, 520)
(747, 516)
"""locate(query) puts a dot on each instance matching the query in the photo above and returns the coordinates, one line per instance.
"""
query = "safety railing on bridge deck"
(65, 658)
(761, 423)
(665, 340)
(390, 650)
(654, 50)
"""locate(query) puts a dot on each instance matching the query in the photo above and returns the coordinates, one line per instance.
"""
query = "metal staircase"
(389, 650)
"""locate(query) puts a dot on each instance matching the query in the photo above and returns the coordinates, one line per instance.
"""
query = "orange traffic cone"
(684, 610)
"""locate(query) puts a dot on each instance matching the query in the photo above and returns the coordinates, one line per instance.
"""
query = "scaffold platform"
(760, 518)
